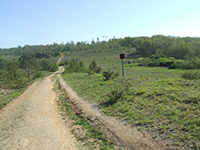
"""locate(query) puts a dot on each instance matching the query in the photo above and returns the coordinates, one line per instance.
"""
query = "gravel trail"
(32, 121)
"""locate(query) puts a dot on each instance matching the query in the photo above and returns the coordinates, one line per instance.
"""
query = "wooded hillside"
(157, 45)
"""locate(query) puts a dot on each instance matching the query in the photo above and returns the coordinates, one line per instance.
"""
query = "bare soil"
(60, 59)
(32, 121)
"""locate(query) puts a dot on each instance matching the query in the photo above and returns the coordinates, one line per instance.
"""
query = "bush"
(197, 62)
(53, 67)
(19, 83)
(3, 62)
(75, 65)
(38, 75)
(129, 62)
(109, 75)
(66, 62)
(93, 67)
(154, 63)
(140, 59)
(191, 75)
(61, 64)
(143, 61)
(188, 65)
(46, 64)
(155, 56)
(164, 62)
(172, 58)
(118, 92)
(90, 72)
(177, 64)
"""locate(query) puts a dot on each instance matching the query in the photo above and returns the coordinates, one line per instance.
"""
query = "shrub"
(109, 75)
(93, 67)
(53, 67)
(19, 83)
(90, 72)
(47, 64)
(191, 75)
(172, 58)
(154, 63)
(188, 65)
(140, 59)
(197, 63)
(75, 65)
(177, 64)
(143, 61)
(118, 92)
(164, 62)
(66, 62)
(155, 56)
(61, 64)
(38, 75)
(3, 62)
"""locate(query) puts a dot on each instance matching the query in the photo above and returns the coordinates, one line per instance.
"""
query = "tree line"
(157, 45)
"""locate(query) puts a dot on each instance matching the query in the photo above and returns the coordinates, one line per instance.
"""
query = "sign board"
(121, 56)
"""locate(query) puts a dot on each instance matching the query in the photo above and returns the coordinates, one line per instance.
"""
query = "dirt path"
(32, 121)
(60, 59)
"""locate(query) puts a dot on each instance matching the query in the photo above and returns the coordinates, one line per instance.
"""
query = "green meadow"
(153, 99)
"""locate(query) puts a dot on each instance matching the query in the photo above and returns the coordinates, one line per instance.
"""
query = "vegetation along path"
(32, 121)
(122, 135)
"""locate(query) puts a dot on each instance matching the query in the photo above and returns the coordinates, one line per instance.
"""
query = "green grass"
(103, 58)
(93, 138)
(7, 93)
(158, 101)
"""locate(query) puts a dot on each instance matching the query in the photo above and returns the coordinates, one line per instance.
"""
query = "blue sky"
(35, 22)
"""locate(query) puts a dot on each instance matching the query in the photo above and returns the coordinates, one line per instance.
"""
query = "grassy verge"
(90, 136)
(155, 100)
(8, 94)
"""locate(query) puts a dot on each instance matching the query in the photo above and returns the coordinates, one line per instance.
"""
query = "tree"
(184, 49)
(11, 71)
(146, 47)
(28, 62)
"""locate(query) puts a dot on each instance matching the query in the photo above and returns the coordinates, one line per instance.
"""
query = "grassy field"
(156, 100)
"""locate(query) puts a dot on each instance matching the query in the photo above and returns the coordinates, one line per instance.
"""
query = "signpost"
(122, 56)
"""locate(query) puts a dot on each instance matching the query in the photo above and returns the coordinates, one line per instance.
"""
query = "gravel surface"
(33, 122)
